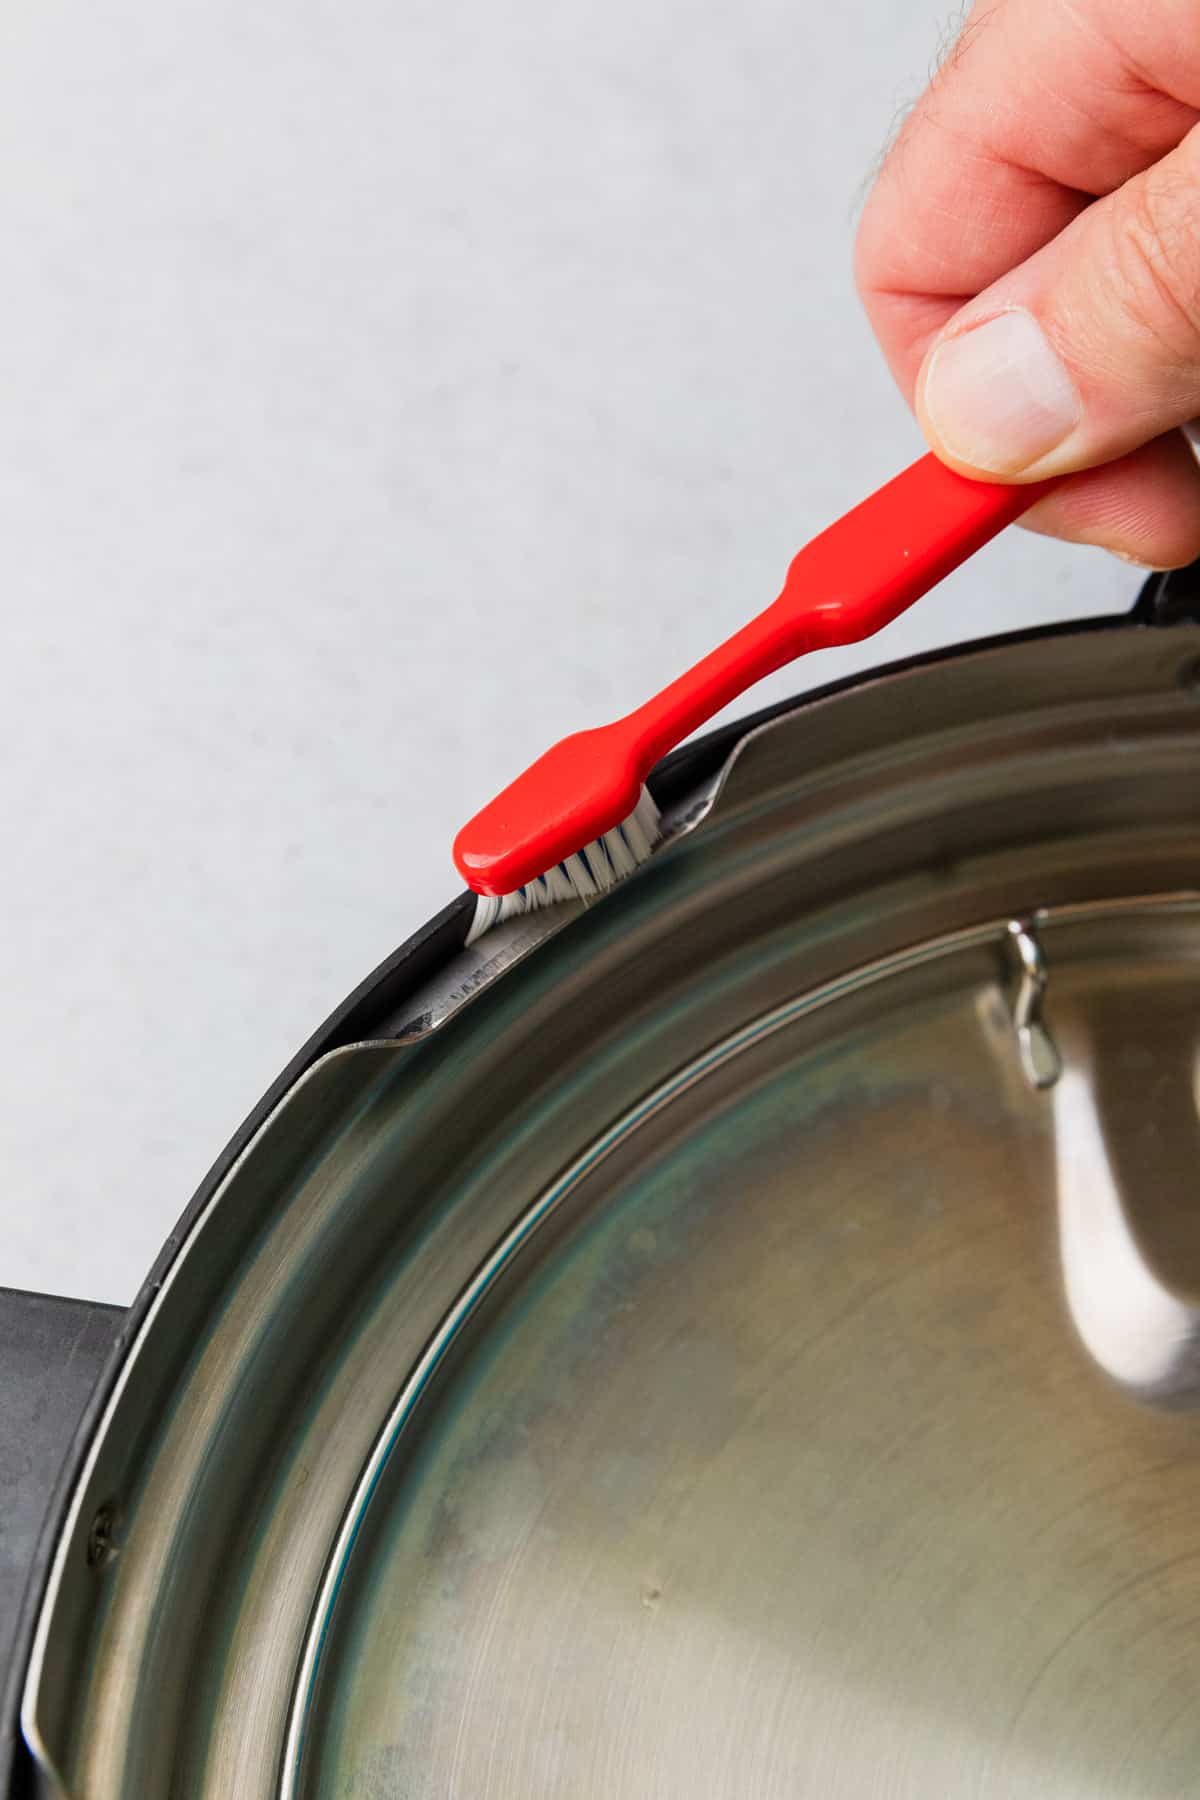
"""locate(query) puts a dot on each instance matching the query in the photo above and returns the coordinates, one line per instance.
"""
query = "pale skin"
(1029, 258)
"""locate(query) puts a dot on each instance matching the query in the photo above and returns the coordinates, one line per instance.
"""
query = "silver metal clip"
(1041, 1063)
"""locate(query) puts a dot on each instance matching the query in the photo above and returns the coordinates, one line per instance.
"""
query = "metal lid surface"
(739, 1342)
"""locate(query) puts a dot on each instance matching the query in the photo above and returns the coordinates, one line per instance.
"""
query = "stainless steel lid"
(740, 1342)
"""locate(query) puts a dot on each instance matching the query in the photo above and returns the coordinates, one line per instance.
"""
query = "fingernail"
(998, 397)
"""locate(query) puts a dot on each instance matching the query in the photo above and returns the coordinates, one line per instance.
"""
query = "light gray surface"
(386, 390)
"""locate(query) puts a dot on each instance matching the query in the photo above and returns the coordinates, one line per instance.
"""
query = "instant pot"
(742, 1339)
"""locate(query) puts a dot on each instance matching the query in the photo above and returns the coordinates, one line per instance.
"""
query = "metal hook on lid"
(1041, 1063)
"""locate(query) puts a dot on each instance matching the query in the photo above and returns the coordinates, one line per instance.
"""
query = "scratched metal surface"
(695, 1361)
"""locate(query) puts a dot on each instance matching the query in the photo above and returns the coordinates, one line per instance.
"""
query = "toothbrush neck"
(763, 645)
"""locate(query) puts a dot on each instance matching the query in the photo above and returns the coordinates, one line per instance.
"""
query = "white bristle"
(579, 875)
(584, 876)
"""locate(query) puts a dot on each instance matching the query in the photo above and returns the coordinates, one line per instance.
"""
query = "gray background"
(386, 389)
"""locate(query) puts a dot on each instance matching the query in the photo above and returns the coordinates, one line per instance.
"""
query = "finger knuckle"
(1156, 260)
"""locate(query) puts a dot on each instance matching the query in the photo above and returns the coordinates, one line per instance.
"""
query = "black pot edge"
(1166, 598)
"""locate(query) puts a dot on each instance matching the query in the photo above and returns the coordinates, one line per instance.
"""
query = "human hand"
(1029, 259)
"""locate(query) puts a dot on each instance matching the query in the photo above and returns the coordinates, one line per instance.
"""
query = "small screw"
(102, 1538)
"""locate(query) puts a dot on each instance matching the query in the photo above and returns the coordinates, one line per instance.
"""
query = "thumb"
(1087, 350)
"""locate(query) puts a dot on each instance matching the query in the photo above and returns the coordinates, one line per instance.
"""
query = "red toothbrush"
(580, 819)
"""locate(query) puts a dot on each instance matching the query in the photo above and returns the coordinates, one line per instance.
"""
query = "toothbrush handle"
(862, 572)
(846, 584)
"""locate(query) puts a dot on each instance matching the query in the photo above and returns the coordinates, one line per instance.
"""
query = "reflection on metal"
(1040, 1061)
(1140, 1332)
(1127, 1150)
